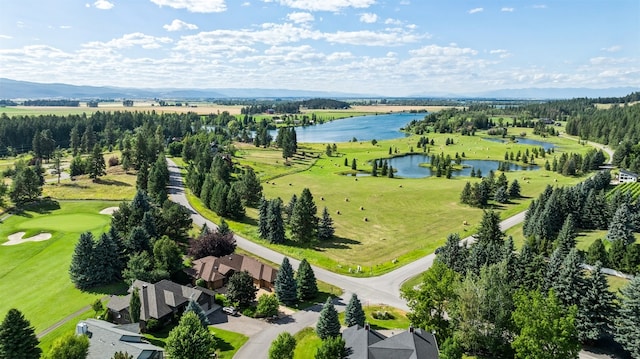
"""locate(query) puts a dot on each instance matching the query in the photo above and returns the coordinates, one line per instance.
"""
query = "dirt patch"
(17, 238)
(109, 210)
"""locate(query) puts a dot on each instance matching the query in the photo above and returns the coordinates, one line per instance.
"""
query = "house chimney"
(366, 326)
(411, 330)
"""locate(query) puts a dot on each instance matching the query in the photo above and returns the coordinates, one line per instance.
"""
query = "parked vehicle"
(230, 311)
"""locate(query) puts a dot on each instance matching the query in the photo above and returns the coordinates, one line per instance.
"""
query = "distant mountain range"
(12, 89)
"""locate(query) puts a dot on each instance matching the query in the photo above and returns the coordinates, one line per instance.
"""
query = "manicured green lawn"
(307, 343)
(381, 219)
(398, 318)
(68, 327)
(227, 342)
(34, 276)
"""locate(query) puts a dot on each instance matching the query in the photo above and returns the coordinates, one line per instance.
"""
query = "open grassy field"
(34, 276)
(307, 343)
(398, 319)
(405, 218)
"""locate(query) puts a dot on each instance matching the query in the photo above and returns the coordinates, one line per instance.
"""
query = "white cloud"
(200, 6)
(246, 3)
(502, 53)
(435, 50)
(507, 9)
(539, 6)
(65, 26)
(614, 48)
(103, 5)
(405, 2)
(372, 38)
(130, 40)
(6, 37)
(391, 21)
(177, 25)
(324, 5)
(368, 18)
(87, 5)
(475, 10)
(300, 17)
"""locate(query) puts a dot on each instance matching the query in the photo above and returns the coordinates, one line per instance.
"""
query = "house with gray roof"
(366, 343)
(161, 301)
(627, 177)
(106, 339)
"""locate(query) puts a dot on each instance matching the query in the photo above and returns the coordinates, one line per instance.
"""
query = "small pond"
(409, 166)
(523, 141)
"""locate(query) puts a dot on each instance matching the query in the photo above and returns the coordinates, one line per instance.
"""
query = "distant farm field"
(34, 276)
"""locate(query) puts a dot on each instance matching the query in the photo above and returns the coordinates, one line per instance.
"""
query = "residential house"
(106, 339)
(366, 343)
(216, 271)
(627, 177)
(161, 301)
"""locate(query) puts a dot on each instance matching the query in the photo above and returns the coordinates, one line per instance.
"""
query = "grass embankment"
(34, 276)
(383, 219)
(307, 343)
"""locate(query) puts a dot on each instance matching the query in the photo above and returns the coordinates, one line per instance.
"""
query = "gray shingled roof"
(410, 344)
(105, 339)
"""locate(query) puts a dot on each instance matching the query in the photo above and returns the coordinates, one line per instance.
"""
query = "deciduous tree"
(189, 339)
(283, 347)
(240, 289)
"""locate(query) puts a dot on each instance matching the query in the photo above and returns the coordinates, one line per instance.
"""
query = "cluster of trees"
(586, 206)
(217, 243)
(290, 288)
(300, 214)
(571, 164)
(287, 140)
(488, 300)
(293, 106)
(50, 102)
(449, 121)
(141, 244)
(627, 156)
(479, 194)
(26, 184)
(82, 132)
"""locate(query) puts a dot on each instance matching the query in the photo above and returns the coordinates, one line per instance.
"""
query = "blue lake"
(523, 141)
(409, 167)
(363, 128)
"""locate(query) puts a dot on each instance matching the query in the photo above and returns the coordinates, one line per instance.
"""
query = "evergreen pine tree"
(285, 284)
(390, 172)
(97, 166)
(616, 254)
(567, 237)
(465, 196)
(353, 313)
(288, 209)
(597, 253)
(107, 253)
(452, 254)
(83, 266)
(325, 226)
(306, 281)
(501, 195)
(223, 228)
(552, 274)
(627, 322)
(17, 337)
(218, 201)
(374, 170)
(304, 222)
(134, 305)
(328, 325)
(251, 188)
(514, 189)
(597, 308)
(263, 226)
(570, 284)
(137, 241)
(193, 306)
(621, 227)
(234, 208)
(275, 224)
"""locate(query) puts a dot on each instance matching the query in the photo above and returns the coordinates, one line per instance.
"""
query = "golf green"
(77, 222)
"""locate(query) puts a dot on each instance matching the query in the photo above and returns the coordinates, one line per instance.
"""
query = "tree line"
(486, 299)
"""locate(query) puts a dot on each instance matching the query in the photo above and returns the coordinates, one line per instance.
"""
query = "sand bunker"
(16, 238)
(109, 210)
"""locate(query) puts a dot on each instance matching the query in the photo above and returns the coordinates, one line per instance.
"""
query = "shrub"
(113, 161)
(249, 312)
(201, 283)
(382, 315)
(153, 326)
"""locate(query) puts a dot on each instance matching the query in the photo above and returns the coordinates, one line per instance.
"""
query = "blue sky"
(384, 47)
